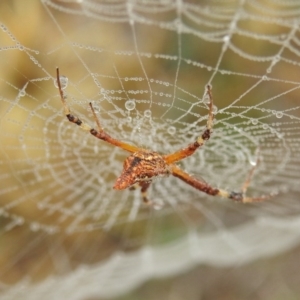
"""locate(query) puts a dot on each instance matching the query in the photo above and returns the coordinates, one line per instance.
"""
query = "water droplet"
(254, 121)
(147, 113)
(20, 221)
(130, 104)
(51, 230)
(63, 82)
(171, 130)
(279, 115)
(280, 135)
(3, 27)
(253, 161)
(226, 38)
(97, 108)
(283, 36)
(158, 205)
(206, 99)
(34, 226)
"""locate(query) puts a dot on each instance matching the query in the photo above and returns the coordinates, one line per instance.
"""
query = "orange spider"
(142, 165)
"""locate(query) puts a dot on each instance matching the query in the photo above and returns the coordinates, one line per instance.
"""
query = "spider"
(142, 165)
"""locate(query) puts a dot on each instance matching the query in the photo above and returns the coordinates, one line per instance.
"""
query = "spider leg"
(100, 133)
(206, 188)
(191, 148)
(133, 187)
(144, 188)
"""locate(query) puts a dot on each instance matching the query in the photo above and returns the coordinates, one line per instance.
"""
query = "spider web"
(65, 233)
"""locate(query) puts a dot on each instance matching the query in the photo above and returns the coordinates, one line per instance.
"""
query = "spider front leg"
(99, 133)
(191, 148)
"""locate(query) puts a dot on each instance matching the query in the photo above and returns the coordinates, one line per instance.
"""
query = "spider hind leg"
(144, 191)
(241, 196)
(208, 189)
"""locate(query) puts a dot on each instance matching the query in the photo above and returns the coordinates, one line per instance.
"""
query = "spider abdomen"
(141, 166)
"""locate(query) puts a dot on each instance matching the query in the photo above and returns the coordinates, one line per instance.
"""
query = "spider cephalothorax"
(143, 165)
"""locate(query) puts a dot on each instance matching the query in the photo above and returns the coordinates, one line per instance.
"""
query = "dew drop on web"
(130, 105)
(63, 82)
